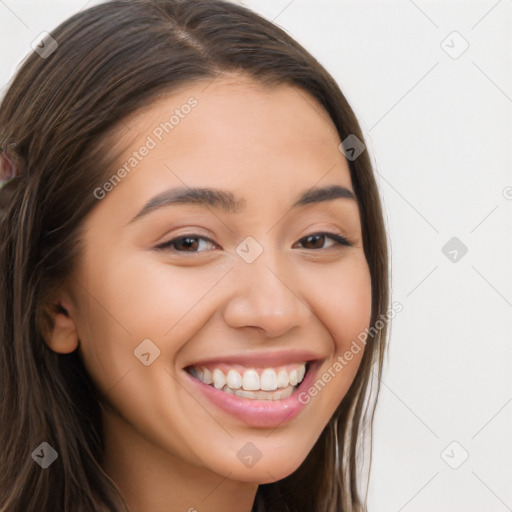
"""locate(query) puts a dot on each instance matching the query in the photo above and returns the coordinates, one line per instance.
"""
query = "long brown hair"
(57, 121)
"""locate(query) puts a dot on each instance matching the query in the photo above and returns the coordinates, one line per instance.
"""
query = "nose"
(265, 295)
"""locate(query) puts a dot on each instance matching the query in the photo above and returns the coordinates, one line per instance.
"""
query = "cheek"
(343, 301)
(160, 301)
(127, 300)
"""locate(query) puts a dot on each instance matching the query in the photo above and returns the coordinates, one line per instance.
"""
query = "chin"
(266, 472)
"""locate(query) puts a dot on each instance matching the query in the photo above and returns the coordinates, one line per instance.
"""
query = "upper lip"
(263, 359)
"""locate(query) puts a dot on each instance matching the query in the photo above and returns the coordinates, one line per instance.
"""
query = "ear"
(60, 333)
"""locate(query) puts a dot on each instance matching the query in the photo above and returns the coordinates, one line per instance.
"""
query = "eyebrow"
(226, 201)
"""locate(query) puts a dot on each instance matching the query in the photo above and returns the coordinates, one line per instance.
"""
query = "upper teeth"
(269, 379)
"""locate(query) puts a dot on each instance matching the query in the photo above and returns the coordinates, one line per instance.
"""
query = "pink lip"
(259, 413)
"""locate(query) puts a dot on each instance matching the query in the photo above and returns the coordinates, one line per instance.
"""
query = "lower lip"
(259, 413)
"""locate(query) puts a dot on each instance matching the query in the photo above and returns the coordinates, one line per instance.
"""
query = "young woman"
(193, 269)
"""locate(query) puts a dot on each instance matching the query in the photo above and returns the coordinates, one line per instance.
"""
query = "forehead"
(231, 133)
(235, 111)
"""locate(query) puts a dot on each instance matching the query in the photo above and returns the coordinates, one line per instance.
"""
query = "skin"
(166, 449)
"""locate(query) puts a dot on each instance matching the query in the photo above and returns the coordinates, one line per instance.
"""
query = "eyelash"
(339, 239)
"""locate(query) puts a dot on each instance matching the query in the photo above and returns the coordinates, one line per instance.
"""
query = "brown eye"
(186, 243)
(192, 243)
(317, 240)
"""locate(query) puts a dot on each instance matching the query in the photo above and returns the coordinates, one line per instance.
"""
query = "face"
(210, 322)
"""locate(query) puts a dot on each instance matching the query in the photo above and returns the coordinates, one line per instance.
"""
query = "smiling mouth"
(270, 383)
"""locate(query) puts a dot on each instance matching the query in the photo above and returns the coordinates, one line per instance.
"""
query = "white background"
(439, 131)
